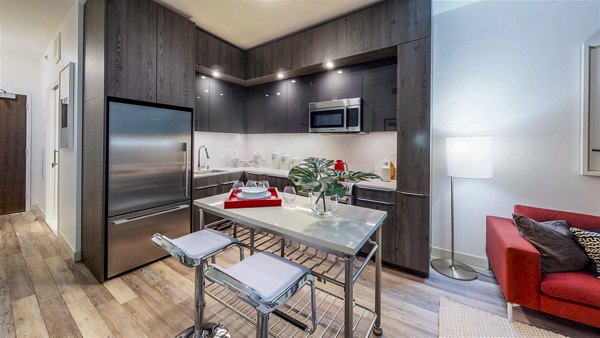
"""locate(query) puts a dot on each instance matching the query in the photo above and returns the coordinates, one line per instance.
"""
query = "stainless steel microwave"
(337, 116)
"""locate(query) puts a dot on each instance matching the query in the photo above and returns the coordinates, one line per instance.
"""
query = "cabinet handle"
(412, 194)
(376, 189)
(207, 187)
(374, 201)
(596, 150)
(227, 183)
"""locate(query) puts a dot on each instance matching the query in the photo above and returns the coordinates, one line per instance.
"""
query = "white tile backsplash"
(361, 152)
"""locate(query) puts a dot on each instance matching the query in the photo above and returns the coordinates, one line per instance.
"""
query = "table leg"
(200, 219)
(282, 248)
(348, 296)
(200, 301)
(377, 329)
(251, 241)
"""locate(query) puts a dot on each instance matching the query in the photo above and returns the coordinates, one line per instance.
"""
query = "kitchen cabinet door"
(342, 83)
(131, 49)
(220, 98)
(298, 98)
(276, 107)
(256, 106)
(201, 105)
(238, 108)
(379, 96)
(384, 201)
(175, 61)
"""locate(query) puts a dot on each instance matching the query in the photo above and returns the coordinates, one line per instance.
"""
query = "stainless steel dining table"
(342, 235)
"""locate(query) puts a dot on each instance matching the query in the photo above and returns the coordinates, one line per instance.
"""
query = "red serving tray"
(233, 202)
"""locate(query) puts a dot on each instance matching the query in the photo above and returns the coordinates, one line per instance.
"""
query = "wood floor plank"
(58, 319)
(119, 320)
(148, 319)
(96, 292)
(27, 244)
(120, 290)
(10, 244)
(28, 318)
(46, 247)
(173, 285)
(43, 284)
(164, 307)
(88, 319)
(18, 280)
(7, 326)
(68, 286)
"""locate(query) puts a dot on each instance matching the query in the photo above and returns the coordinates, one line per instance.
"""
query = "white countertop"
(391, 185)
(343, 234)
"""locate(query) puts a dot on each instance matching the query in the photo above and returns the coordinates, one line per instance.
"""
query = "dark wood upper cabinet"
(175, 59)
(298, 98)
(414, 69)
(238, 108)
(256, 107)
(338, 84)
(131, 49)
(220, 102)
(276, 107)
(216, 54)
(379, 96)
(201, 103)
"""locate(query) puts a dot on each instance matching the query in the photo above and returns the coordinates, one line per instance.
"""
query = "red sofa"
(517, 265)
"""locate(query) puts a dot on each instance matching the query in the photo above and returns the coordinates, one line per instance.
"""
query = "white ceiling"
(28, 26)
(249, 23)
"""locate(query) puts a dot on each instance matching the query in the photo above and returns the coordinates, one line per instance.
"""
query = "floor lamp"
(466, 157)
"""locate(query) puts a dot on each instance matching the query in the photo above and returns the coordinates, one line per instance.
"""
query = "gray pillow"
(558, 247)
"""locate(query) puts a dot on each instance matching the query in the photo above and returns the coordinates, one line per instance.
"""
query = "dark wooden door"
(220, 99)
(298, 98)
(175, 59)
(201, 105)
(131, 49)
(276, 101)
(13, 131)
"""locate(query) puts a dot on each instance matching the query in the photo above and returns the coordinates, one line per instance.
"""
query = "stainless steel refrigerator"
(149, 174)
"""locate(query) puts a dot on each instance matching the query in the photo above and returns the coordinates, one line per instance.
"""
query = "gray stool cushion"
(269, 275)
(201, 243)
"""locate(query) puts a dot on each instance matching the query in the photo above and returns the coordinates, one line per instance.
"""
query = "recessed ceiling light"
(216, 74)
(329, 65)
(197, 97)
(221, 94)
(293, 81)
(278, 93)
(340, 72)
(203, 77)
(266, 94)
(280, 75)
(206, 90)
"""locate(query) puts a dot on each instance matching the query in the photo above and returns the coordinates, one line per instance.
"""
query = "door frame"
(49, 148)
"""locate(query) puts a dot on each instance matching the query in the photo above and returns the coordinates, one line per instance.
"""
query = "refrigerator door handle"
(133, 219)
(187, 170)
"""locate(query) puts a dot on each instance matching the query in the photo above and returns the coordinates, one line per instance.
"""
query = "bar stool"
(266, 281)
(193, 250)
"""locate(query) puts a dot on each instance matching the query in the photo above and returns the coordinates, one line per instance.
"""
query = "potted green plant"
(324, 183)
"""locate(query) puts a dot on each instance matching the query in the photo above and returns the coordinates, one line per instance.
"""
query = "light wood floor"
(44, 293)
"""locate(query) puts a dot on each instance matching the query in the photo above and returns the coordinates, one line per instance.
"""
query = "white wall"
(361, 152)
(510, 70)
(70, 29)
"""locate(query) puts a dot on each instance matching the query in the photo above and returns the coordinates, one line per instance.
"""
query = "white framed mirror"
(67, 107)
(590, 107)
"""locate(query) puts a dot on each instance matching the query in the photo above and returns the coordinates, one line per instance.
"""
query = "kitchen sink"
(208, 171)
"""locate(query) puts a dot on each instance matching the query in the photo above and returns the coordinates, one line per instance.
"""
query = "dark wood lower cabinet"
(412, 233)
(383, 200)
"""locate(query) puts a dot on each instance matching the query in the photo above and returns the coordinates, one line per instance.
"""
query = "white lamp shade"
(469, 157)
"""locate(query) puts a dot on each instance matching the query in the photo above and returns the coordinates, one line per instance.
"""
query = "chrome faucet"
(200, 166)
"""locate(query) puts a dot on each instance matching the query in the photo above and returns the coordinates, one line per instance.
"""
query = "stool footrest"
(290, 320)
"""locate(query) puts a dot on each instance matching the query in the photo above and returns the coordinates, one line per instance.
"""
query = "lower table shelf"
(330, 313)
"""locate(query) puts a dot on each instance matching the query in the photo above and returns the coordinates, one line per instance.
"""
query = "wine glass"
(264, 183)
(237, 186)
(289, 194)
(251, 184)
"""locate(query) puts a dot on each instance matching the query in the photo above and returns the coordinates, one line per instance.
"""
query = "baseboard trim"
(477, 261)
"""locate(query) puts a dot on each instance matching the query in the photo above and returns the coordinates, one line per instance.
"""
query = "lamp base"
(457, 270)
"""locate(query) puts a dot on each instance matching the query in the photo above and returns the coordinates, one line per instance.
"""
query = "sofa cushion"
(581, 221)
(579, 287)
(590, 241)
(556, 244)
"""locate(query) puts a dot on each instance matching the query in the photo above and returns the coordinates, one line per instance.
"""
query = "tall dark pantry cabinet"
(137, 52)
